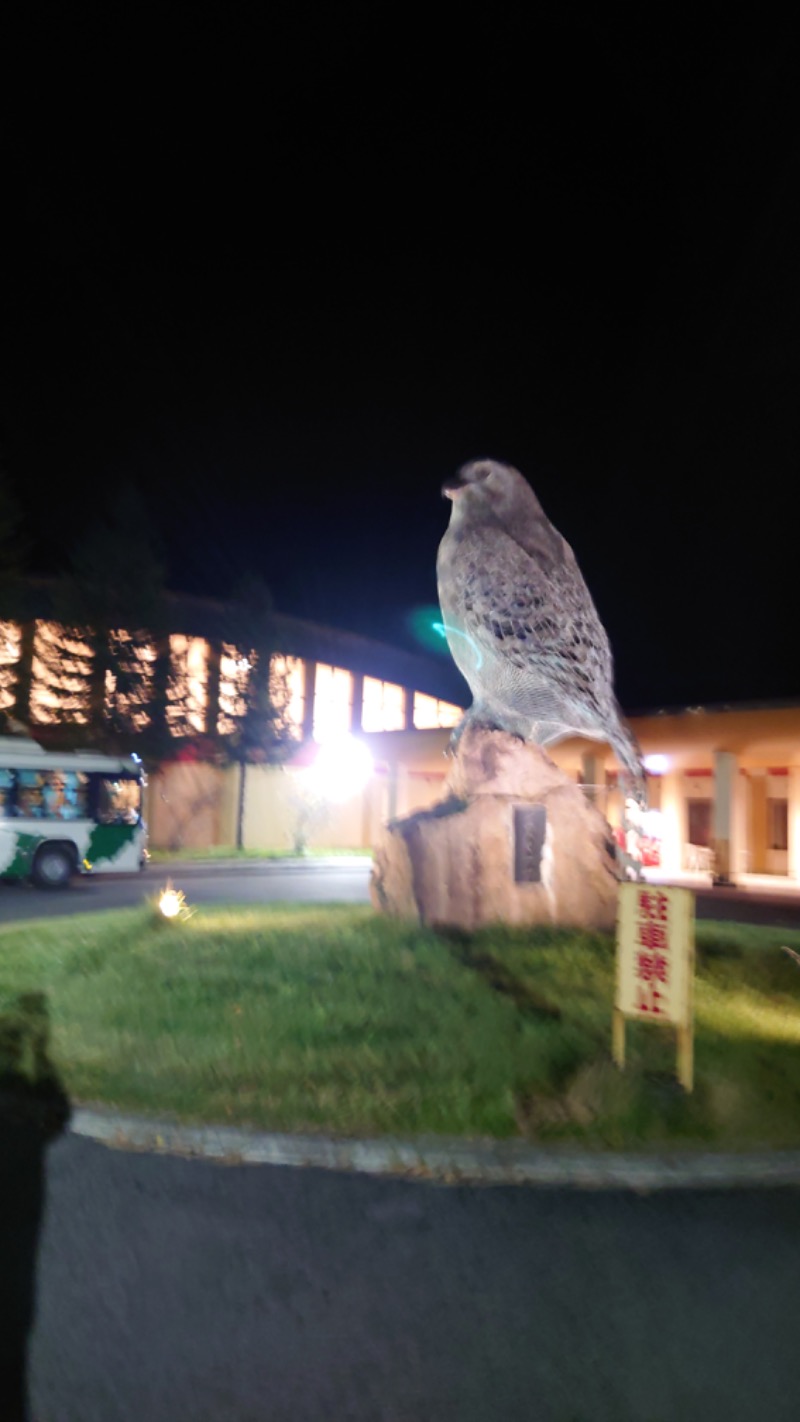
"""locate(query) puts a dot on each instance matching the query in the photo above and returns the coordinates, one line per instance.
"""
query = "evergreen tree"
(13, 557)
(13, 541)
(262, 732)
(109, 651)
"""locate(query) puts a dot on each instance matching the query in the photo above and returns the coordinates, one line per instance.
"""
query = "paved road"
(183, 1291)
(780, 910)
(264, 881)
(314, 881)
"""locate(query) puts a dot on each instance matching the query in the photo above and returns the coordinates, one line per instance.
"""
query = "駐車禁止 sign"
(655, 965)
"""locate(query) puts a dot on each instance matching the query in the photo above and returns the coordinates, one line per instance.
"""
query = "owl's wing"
(536, 614)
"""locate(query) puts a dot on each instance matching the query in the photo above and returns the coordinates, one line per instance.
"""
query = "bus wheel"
(52, 867)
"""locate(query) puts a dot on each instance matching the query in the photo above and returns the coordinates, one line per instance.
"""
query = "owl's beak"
(465, 477)
(451, 488)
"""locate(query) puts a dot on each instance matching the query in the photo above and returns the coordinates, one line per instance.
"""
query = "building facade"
(723, 782)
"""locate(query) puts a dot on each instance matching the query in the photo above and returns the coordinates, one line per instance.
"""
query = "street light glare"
(341, 769)
(170, 902)
(656, 764)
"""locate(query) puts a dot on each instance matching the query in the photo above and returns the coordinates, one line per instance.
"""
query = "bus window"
(52, 794)
(65, 794)
(119, 802)
(6, 794)
(30, 805)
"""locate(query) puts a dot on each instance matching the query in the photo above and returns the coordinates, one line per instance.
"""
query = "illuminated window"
(128, 695)
(61, 685)
(383, 707)
(430, 714)
(188, 692)
(234, 669)
(286, 688)
(287, 685)
(333, 702)
(60, 676)
(10, 642)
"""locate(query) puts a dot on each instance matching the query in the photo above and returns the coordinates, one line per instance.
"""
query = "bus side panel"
(76, 831)
(17, 849)
(115, 848)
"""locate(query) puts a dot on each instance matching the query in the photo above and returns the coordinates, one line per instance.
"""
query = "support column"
(793, 857)
(724, 816)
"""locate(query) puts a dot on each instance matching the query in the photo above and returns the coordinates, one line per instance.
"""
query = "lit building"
(326, 684)
(723, 782)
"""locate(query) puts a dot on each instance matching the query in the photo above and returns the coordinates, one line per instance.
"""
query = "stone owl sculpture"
(520, 621)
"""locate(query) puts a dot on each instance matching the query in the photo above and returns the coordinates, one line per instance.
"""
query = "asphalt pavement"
(188, 1291)
(338, 879)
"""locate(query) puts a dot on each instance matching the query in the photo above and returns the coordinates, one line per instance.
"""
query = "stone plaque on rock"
(530, 826)
(515, 840)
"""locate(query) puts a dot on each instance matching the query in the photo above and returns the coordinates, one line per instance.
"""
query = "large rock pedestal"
(514, 841)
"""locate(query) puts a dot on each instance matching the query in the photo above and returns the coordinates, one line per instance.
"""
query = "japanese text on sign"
(655, 952)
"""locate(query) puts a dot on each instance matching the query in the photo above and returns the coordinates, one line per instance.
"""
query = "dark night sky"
(286, 281)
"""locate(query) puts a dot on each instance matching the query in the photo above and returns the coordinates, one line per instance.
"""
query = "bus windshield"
(119, 801)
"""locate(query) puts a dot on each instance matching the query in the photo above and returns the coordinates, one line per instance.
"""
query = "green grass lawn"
(333, 1018)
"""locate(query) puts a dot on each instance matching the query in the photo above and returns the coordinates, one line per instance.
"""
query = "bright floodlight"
(656, 764)
(170, 902)
(341, 769)
(653, 824)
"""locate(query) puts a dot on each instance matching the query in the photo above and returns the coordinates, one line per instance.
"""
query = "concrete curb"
(445, 1159)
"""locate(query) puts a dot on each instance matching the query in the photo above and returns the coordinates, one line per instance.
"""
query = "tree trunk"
(159, 728)
(240, 806)
(100, 666)
(212, 687)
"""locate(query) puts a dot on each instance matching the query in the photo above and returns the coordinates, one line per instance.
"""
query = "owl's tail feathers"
(630, 761)
(634, 787)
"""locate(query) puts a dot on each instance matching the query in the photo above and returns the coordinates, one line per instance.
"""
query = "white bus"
(68, 812)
